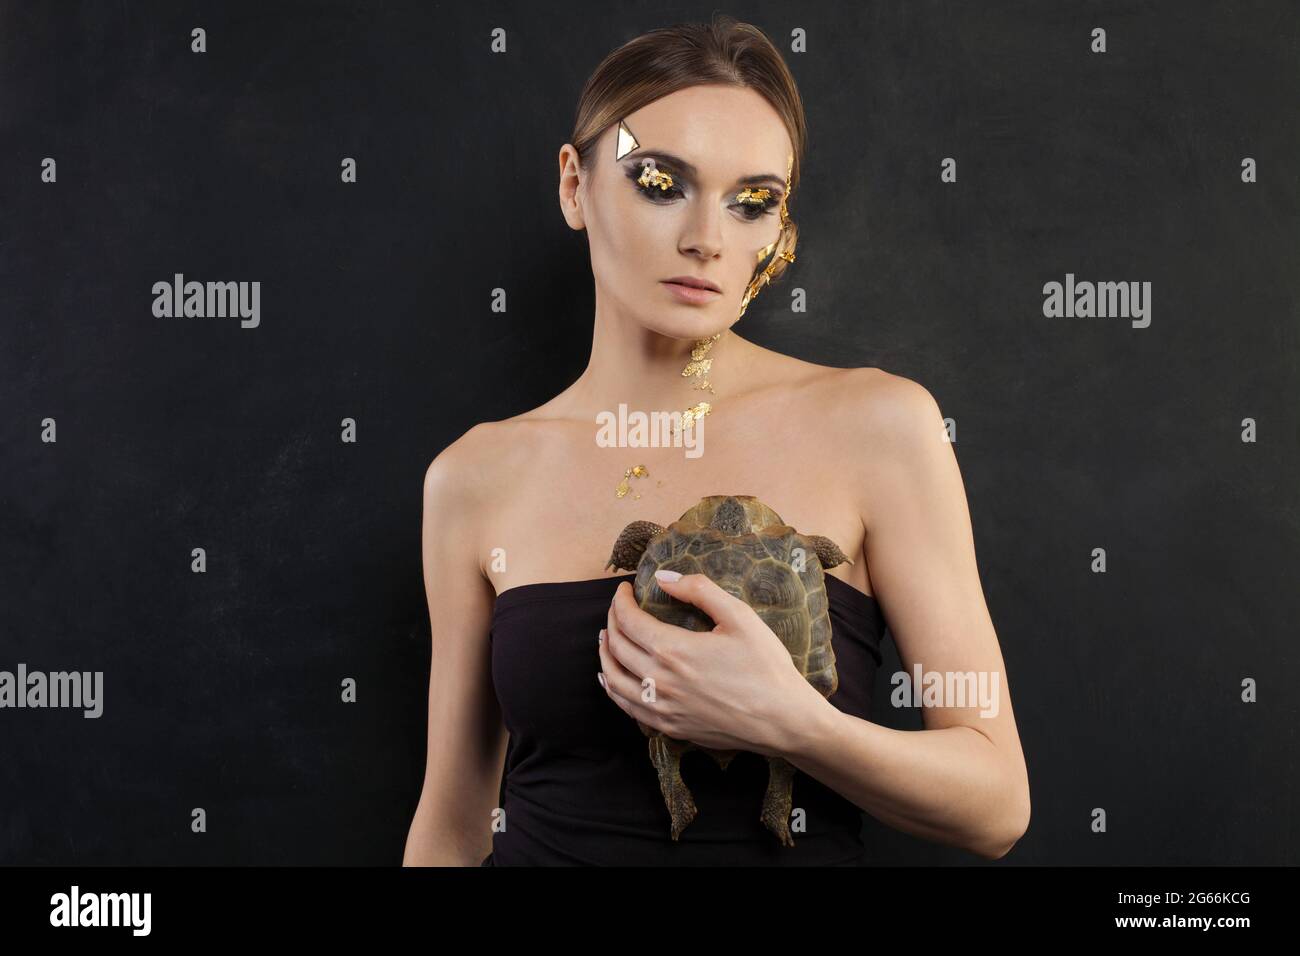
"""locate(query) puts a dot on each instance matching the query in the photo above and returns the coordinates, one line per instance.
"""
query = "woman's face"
(715, 142)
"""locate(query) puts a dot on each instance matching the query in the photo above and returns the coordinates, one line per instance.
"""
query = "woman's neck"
(642, 369)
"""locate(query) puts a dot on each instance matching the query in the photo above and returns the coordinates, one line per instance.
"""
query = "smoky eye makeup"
(653, 179)
(659, 182)
(758, 201)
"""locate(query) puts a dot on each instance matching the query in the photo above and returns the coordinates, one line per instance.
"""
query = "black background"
(222, 689)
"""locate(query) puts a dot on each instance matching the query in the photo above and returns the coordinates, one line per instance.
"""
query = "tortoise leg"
(777, 802)
(667, 760)
(631, 544)
(827, 551)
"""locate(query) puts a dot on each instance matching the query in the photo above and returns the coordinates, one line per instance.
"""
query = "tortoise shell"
(743, 545)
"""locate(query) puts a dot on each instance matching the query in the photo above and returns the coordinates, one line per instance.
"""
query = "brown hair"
(724, 52)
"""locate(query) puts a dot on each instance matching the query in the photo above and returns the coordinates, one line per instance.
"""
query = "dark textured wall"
(221, 689)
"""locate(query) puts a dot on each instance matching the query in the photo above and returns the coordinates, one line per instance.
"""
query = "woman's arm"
(962, 780)
(452, 825)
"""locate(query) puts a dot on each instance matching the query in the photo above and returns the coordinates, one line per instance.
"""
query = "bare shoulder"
(883, 396)
(459, 490)
(866, 401)
(868, 407)
(478, 471)
(887, 431)
(889, 408)
(467, 470)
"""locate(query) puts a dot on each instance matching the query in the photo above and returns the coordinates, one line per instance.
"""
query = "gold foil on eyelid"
(652, 176)
(756, 196)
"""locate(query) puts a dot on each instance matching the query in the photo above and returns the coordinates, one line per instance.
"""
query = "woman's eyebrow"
(688, 169)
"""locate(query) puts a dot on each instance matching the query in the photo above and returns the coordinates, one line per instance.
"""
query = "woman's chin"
(698, 326)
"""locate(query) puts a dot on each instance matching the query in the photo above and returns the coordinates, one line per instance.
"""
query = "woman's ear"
(572, 188)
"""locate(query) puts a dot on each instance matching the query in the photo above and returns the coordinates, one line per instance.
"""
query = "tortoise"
(744, 546)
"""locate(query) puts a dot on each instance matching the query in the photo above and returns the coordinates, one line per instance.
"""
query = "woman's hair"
(655, 64)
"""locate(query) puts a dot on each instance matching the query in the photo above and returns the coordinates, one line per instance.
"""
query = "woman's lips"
(690, 294)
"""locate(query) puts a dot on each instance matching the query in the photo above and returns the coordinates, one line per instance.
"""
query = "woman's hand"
(732, 688)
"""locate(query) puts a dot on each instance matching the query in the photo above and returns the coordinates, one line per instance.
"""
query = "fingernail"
(600, 679)
(664, 575)
(601, 636)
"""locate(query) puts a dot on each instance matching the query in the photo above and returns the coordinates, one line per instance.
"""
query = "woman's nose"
(702, 234)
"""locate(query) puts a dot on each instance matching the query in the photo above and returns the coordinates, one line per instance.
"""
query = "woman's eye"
(756, 202)
(657, 186)
(757, 210)
(658, 193)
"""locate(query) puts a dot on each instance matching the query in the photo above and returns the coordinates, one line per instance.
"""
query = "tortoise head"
(731, 515)
(744, 514)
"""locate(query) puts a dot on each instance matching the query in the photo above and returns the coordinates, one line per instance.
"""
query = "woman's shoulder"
(869, 394)
(888, 398)
(883, 431)
(870, 412)
(477, 461)
(476, 449)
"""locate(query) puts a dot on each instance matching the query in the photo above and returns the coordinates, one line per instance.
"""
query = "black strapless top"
(578, 787)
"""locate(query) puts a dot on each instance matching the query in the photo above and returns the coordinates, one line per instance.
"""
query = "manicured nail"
(601, 636)
(664, 575)
(600, 679)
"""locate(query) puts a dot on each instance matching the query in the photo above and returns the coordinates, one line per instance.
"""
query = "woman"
(687, 145)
